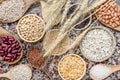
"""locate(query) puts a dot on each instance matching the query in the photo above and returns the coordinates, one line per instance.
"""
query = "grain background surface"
(52, 64)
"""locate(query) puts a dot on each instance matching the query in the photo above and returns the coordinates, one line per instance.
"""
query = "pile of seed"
(98, 44)
(11, 10)
(109, 14)
(36, 58)
(31, 28)
(21, 72)
(10, 49)
(71, 67)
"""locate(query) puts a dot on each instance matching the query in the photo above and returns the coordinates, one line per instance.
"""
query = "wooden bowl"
(43, 27)
(113, 40)
(74, 65)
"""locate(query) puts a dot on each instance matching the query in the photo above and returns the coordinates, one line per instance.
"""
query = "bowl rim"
(113, 42)
(72, 54)
(17, 28)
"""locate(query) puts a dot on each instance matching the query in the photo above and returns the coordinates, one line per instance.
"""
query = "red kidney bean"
(4, 45)
(7, 58)
(17, 47)
(9, 55)
(1, 51)
(10, 49)
(14, 42)
(19, 50)
(14, 51)
(13, 45)
(18, 54)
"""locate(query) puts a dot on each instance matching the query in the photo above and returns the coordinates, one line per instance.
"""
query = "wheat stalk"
(66, 8)
(72, 21)
(54, 13)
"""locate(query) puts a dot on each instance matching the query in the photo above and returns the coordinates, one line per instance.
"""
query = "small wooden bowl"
(113, 39)
(43, 27)
(4, 33)
(62, 47)
(74, 65)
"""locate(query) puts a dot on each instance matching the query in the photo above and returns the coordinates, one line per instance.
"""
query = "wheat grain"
(53, 15)
(66, 8)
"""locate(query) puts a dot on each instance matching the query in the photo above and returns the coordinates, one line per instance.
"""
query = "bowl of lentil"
(49, 39)
(72, 67)
(109, 15)
(30, 28)
(98, 44)
(10, 47)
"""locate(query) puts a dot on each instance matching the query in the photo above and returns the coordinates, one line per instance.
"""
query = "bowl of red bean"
(10, 49)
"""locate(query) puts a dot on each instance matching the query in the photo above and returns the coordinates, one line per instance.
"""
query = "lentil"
(98, 44)
(71, 67)
(31, 28)
(109, 14)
